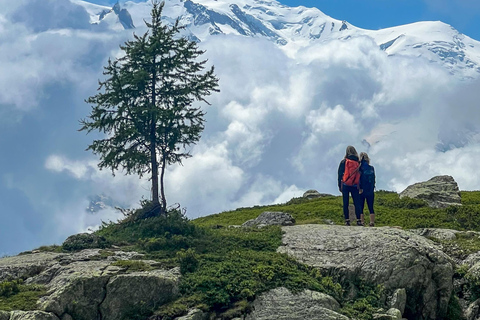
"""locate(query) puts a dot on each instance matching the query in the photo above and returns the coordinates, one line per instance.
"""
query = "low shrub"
(15, 295)
(130, 230)
(133, 265)
(188, 260)
(83, 241)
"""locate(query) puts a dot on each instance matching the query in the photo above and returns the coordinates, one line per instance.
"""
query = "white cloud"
(278, 127)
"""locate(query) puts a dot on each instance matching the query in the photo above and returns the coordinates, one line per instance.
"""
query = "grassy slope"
(225, 268)
(389, 209)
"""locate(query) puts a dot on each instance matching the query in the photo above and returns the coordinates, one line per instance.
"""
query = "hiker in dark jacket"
(348, 183)
(367, 186)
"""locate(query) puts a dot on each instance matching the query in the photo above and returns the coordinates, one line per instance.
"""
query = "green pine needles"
(145, 105)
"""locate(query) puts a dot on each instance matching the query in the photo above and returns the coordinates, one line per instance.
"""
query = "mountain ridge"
(294, 28)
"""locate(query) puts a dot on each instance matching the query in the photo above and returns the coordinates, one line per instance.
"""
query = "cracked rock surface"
(85, 286)
(391, 257)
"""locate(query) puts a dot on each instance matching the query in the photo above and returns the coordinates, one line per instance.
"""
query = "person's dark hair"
(364, 157)
(351, 151)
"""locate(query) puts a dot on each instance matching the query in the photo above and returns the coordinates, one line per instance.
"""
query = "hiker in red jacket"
(348, 183)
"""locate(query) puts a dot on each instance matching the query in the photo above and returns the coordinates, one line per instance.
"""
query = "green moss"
(132, 265)
(463, 245)
(14, 295)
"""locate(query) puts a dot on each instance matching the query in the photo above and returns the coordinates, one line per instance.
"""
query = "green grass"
(390, 210)
(14, 295)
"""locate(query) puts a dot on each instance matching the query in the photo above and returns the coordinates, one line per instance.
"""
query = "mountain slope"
(293, 28)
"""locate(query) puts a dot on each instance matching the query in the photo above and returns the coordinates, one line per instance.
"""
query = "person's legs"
(356, 203)
(362, 206)
(370, 199)
(345, 193)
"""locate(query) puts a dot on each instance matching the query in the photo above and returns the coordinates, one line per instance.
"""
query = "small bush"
(454, 309)
(188, 260)
(467, 216)
(9, 288)
(405, 203)
(133, 265)
(132, 230)
(14, 295)
(83, 241)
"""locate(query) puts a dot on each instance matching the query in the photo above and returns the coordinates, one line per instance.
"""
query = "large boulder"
(27, 265)
(313, 194)
(438, 192)
(281, 304)
(138, 293)
(390, 257)
(32, 315)
(271, 218)
(92, 289)
(85, 285)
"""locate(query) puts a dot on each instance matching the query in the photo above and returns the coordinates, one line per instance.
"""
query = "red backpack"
(351, 175)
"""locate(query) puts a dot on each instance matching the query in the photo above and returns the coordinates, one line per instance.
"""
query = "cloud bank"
(279, 126)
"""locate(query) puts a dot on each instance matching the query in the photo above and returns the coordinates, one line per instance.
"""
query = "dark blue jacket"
(368, 187)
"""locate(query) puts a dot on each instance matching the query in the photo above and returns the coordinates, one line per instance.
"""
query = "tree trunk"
(164, 200)
(153, 145)
(153, 160)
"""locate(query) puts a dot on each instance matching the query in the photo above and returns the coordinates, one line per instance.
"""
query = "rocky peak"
(438, 192)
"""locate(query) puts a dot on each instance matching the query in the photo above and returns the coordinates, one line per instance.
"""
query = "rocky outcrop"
(85, 285)
(313, 194)
(281, 304)
(438, 192)
(439, 234)
(271, 218)
(394, 258)
(194, 314)
(27, 265)
(32, 315)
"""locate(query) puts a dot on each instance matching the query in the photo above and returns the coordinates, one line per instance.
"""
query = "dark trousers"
(369, 198)
(346, 191)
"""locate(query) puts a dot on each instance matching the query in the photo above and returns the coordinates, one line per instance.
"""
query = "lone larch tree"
(145, 105)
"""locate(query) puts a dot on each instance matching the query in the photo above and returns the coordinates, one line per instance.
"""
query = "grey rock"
(194, 314)
(391, 257)
(383, 316)
(399, 300)
(27, 265)
(439, 234)
(4, 315)
(268, 218)
(66, 316)
(32, 315)
(438, 192)
(313, 194)
(473, 310)
(395, 313)
(77, 289)
(472, 259)
(281, 304)
(138, 291)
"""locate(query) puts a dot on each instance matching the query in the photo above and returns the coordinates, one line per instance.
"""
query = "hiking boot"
(347, 222)
(360, 223)
(371, 224)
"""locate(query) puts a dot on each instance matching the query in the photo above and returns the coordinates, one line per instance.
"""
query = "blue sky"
(463, 15)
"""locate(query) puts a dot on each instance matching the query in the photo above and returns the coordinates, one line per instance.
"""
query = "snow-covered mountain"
(293, 28)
